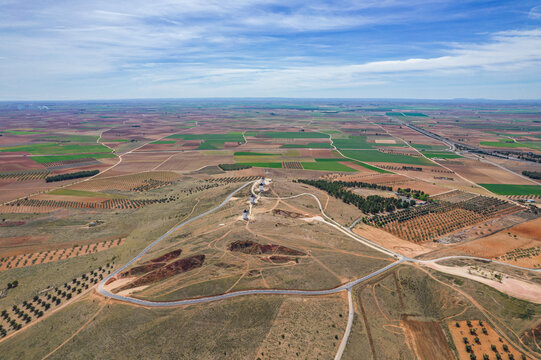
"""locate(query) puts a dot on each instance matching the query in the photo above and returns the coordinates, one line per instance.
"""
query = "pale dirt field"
(60, 254)
(125, 182)
(70, 198)
(382, 141)
(511, 286)
(528, 235)
(136, 162)
(483, 173)
(306, 328)
(193, 161)
(11, 190)
(390, 241)
(240, 173)
(485, 341)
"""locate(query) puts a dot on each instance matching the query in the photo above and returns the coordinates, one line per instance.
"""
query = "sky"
(426, 49)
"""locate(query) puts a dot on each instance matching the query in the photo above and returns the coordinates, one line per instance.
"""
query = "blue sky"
(265, 48)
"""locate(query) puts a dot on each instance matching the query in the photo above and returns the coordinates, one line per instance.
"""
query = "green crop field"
(402, 114)
(22, 132)
(505, 144)
(164, 142)
(211, 141)
(377, 156)
(54, 158)
(508, 189)
(309, 145)
(71, 138)
(429, 147)
(441, 155)
(322, 164)
(52, 149)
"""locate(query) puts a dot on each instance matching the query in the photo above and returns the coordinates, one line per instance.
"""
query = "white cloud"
(535, 12)
(221, 46)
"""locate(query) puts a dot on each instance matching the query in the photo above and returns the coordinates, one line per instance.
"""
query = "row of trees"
(372, 204)
(532, 174)
(36, 308)
(360, 184)
(74, 175)
(230, 167)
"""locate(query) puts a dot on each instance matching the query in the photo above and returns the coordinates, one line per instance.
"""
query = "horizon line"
(280, 98)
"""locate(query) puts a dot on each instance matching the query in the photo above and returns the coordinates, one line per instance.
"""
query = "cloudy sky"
(103, 49)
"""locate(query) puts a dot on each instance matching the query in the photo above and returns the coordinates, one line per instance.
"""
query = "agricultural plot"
(25, 175)
(430, 221)
(71, 138)
(506, 143)
(404, 113)
(508, 189)
(164, 142)
(140, 182)
(22, 132)
(42, 257)
(321, 164)
(18, 316)
(274, 165)
(292, 165)
(423, 147)
(236, 179)
(63, 158)
(211, 141)
(378, 156)
(288, 135)
(311, 145)
(441, 155)
(32, 205)
(360, 142)
(57, 149)
(518, 245)
(478, 338)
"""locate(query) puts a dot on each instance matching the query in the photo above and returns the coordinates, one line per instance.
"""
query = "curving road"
(328, 221)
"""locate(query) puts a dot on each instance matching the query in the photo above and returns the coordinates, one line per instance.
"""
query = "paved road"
(101, 290)
(345, 338)
(347, 286)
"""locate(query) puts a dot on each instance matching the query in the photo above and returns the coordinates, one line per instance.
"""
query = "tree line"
(360, 184)
(74, 175)
(372, 204)
(532, 174)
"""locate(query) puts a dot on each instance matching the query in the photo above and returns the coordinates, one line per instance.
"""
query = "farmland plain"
(156, 246)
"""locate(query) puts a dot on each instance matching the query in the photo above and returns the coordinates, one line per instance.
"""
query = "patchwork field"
(269, 229)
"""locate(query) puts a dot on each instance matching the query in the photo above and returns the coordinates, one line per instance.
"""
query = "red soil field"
(253, 248)
(166, 271)
(10, 163)
(427, 339)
